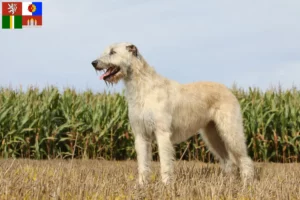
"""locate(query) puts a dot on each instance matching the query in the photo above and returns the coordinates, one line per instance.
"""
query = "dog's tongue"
(105, 74)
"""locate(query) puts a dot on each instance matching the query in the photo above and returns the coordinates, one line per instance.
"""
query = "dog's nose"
(94, 63)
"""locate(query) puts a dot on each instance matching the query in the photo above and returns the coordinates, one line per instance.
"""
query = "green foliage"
(46, 123)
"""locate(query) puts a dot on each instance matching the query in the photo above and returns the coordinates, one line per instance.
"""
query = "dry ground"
(94, 179)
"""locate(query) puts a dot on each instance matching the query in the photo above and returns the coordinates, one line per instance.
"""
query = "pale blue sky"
(252, 43)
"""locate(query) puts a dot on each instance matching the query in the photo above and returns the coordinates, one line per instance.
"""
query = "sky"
(250, 43)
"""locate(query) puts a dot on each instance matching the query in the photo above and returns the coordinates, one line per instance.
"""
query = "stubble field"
(97, 179)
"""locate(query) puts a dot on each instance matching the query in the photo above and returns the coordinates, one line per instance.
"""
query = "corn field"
(47, 123)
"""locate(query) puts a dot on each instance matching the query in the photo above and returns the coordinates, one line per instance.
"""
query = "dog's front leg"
(166, 154)
(144, 155)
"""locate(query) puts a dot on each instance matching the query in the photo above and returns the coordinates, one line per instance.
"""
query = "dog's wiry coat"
(171, 112)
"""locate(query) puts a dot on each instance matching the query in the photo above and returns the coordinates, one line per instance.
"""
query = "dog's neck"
(141, 79)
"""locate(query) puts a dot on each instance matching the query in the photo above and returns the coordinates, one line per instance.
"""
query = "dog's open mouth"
(110, 73)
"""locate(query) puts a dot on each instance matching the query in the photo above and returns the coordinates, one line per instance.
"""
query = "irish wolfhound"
(171, 112)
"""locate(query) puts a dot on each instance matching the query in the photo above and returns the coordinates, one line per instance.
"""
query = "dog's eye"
(112, 52)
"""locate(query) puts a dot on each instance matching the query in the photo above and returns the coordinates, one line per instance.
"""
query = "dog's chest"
(142, 119)
(149, 111)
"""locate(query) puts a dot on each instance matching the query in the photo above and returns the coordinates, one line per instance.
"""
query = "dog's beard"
(114, 79)
(112, 74)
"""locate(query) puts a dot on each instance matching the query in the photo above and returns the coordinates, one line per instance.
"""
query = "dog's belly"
(181, 137)
(183, 129)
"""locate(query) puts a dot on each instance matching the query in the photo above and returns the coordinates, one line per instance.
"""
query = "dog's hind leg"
(217, 146)
(229, 124)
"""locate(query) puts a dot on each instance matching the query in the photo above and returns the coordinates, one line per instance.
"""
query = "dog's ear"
(132, 48)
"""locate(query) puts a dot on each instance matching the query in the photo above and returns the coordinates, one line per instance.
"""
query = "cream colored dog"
(170, 112)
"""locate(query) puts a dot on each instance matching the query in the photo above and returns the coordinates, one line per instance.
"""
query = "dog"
(170, 112)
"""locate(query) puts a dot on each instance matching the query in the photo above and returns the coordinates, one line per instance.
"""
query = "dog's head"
(116, 61)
